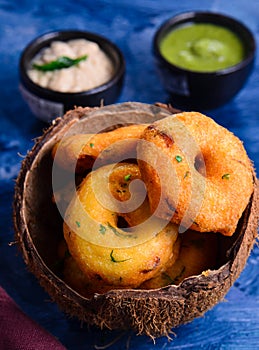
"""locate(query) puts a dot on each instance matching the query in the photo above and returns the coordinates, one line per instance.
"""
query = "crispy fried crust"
(198, 253)
(128, 265)
(198, 170)
(78, 152)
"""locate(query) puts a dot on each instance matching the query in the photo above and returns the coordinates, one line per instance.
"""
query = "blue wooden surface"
(232, 324)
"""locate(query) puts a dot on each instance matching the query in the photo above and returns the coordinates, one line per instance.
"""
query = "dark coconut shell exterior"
(154, 312)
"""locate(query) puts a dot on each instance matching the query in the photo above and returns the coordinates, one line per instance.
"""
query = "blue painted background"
(232, 324)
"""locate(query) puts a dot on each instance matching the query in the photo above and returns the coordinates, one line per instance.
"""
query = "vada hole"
(122, 223)
(199, 164)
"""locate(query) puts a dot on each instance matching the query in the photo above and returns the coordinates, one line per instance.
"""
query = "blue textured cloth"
(233, 324)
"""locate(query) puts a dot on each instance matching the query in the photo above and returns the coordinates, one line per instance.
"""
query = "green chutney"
(202, 47)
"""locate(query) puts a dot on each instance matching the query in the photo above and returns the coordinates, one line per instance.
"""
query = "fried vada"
(197, 173)
(198, 253)
(79, 152)
(118, 256)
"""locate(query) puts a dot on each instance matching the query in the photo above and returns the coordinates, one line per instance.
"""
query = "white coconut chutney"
(94, 71)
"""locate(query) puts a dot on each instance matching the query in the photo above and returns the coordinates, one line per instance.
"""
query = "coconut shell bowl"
(153, 310)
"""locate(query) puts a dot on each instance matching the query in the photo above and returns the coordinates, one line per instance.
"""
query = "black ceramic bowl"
(48, 104)
(203, 90)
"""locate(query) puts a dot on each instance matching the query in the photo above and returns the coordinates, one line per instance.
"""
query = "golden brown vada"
(198, 253)
(196, 172)
(99, 247)
(78, 152)
(77, 280)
